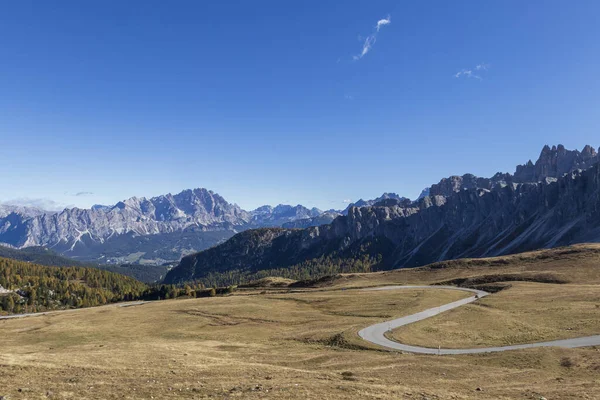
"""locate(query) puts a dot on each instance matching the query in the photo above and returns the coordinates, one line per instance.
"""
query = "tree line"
(310, 269)
(35, 288)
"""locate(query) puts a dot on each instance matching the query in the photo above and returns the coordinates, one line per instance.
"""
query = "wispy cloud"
(475, 72)
(382, 22)
(372, 38)
(79, 194)
(467, 73)
(347, 201)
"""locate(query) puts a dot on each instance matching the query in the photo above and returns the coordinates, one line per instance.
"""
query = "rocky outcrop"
(555, 162)
(385, 196)
(453, 184)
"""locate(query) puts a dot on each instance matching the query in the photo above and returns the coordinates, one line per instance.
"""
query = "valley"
(284, 340)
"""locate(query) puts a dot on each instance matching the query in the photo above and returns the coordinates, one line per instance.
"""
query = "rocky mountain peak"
(553, 162)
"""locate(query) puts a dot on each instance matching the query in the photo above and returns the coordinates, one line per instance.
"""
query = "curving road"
(376, 333)
(52, 312)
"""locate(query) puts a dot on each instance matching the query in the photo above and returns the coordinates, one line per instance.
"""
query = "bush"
(566, 362)
(206, 292)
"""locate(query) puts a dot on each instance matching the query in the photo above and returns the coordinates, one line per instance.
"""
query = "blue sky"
(270, 102)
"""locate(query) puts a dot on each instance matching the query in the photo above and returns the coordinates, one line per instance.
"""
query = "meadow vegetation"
(274, 341)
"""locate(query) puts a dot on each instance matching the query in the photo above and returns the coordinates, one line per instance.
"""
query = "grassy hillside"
(259, 253)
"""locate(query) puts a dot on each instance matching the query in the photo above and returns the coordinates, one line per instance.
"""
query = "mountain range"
(554, 201)
(155, 230)
(168, 227)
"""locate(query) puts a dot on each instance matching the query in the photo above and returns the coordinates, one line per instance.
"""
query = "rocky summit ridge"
(553, 202)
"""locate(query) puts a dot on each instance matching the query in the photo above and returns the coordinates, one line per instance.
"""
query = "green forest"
(36, 288)
(28, 288)
(310, 269)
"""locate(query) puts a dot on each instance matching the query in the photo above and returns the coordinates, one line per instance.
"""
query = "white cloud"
(469, 73)
(372, 38)
(382, 22)
(79, 194)
(369, 42)
(347, 201)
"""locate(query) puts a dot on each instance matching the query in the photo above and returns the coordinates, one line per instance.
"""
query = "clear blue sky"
(270, 102)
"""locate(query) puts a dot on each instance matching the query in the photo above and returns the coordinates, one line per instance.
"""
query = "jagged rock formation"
(363, 203)
(471, 221)
(552, 163)
(555, 162)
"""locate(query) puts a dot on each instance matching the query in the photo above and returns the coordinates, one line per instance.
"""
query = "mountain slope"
(470, 222)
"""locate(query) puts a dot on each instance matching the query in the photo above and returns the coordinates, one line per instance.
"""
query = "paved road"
(375, 333)
(129, 304)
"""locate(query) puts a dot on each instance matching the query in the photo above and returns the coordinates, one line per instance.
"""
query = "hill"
(28, 287)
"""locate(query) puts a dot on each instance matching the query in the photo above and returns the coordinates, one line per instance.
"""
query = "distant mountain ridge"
(460, 217)
(161, 228)
(167, 227)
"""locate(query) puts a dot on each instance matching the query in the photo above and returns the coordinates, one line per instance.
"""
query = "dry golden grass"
(525, 313)
(296, 345)
(576, 264)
